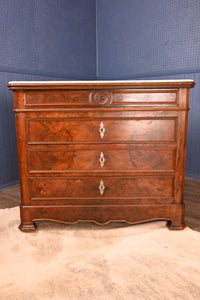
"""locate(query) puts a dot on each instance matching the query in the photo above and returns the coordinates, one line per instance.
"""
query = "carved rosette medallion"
(100, 98)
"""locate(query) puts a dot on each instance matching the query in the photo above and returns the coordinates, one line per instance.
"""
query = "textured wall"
(41, 40)
(48, 37)
(87, 39)
(154, 39)
(147, 37)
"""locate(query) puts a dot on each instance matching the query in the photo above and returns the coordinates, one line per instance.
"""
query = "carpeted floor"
(86, 261)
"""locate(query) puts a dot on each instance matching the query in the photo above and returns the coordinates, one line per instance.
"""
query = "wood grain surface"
(81, 130)
(11, 198)
(139, 127)
(117, 159)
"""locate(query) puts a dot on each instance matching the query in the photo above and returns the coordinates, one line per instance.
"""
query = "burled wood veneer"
(101, 151)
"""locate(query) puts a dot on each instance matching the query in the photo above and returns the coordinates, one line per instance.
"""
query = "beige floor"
(90, 262)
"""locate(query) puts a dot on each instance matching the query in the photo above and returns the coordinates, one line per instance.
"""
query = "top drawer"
(113, 98)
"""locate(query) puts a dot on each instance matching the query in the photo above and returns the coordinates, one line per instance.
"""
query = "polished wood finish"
(115, 98)
(101, 151)
(11, 198)
(65, 160)
(81, 130)
(58, 188)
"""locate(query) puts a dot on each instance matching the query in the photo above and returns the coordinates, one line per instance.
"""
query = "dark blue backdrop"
(138, 38)
(87, 39)
(153, 39)
(41, 40)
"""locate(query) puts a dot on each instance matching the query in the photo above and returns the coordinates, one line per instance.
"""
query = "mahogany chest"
(101, 151)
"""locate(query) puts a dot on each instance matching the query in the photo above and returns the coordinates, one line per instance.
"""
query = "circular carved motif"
(100, 97)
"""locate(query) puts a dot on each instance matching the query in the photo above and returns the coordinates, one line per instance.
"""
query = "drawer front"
(101, 187)
(100, 131)
(111, 98)
(56, 98)
(145, 97)
(97, 160)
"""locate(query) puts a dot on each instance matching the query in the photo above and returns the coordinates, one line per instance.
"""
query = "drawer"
(111, 98)
(101, 131)
(56, 98)
(101, 187)
(101, 160)
(145, 97)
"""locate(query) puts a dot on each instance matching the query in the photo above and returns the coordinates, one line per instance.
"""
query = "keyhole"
(101, 98)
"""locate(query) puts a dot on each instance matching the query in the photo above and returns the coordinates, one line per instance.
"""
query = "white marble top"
(97, 81)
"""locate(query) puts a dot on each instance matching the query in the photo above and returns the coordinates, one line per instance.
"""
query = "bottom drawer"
(90, 189)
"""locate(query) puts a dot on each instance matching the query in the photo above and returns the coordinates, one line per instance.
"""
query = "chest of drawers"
(101, 151)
